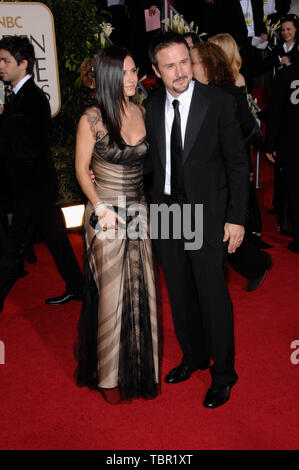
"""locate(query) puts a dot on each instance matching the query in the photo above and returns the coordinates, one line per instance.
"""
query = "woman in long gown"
(118, 331)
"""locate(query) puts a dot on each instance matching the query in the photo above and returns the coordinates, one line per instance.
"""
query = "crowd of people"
(194, 136)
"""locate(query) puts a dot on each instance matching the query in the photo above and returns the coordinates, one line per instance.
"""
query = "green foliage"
(77, 37)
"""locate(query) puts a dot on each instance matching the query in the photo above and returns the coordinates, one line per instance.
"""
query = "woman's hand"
(108, 218)
(152, 10)
(271, 156)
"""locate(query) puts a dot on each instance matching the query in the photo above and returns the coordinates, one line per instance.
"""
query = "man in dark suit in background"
(198, 157)
(282, 140)
(25, 129)
(139, 38)
(243, 19)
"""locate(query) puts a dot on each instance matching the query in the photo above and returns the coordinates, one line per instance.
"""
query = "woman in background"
(252, 134)
(286, 51)
(212, 66)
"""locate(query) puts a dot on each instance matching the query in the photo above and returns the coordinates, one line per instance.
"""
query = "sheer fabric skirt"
(118, 328)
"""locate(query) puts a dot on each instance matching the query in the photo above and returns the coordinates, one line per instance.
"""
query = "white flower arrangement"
(106, 30)
(272, 31)
(179, 25)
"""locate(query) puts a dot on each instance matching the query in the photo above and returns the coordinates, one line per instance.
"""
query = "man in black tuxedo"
(243, 19)
(282, 140)
(198, 157)
(25, 127)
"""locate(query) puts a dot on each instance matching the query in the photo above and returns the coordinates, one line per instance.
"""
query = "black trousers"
(201, 306)
(291, 185)
(249, 260)
(254, 222)
(48, 219)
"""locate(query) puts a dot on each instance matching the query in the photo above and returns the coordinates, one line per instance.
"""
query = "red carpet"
(42, 408)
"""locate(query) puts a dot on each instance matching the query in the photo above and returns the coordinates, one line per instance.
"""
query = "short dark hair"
(21, 49)
(164, 40)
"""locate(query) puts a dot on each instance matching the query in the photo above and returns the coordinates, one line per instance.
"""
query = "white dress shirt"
(184, 106)
(248, 15)
(21, 83)
(288, 48)
(110, 3)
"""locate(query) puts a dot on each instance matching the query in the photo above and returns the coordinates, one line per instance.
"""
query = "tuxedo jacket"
(283, 122)
(214, 163)
(25, 138)
(224, 16)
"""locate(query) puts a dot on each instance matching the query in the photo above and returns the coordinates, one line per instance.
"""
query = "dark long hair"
(109, 89)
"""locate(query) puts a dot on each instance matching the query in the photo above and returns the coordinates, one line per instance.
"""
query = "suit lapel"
(18, 98)
(198, 110)
(160, 128)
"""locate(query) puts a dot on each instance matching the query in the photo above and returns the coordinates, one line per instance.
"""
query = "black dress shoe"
(294, 247)
(31, 257)
(263, 245)
(217, 396)
(256, 239)
(63, 299)
(182, 373)
(285, 231)
(273, 211)
(254, 283)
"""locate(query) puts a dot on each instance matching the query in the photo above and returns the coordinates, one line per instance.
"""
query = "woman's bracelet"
(98, 206)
